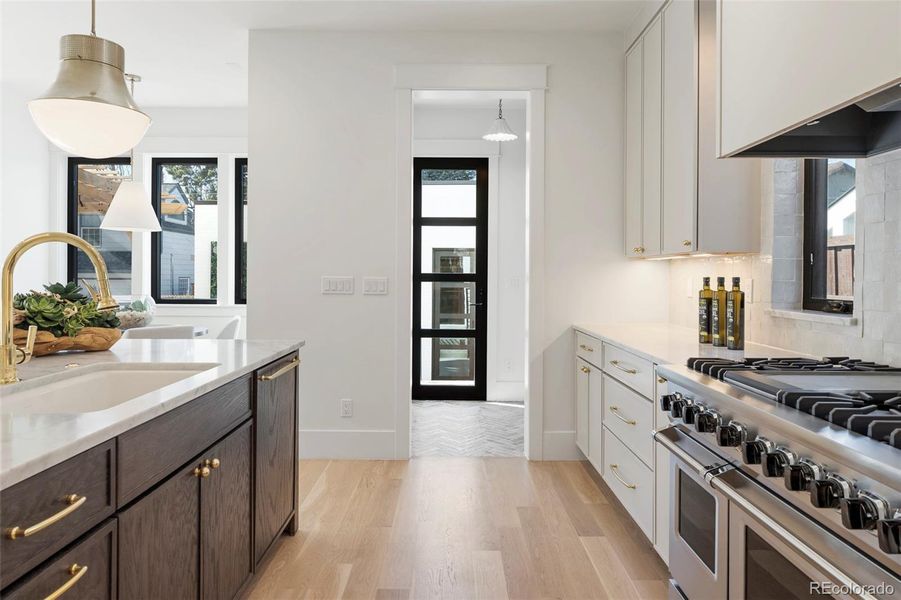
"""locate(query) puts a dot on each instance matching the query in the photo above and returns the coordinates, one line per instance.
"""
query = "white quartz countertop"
(664, 344)
(34, 441)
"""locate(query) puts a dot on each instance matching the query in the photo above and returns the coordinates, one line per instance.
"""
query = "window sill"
(812, 316)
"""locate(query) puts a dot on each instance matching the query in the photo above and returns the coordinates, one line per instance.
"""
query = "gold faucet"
(10, 355)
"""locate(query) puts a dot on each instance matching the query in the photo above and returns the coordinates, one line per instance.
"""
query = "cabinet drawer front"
(73, 496)
(88, 570)
(634, 371)
(589, 349)
(152, 451)
(631, 481)
(631, 417)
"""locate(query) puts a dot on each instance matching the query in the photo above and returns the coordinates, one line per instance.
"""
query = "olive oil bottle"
(705, 302)
(718, 313)
(735, 317)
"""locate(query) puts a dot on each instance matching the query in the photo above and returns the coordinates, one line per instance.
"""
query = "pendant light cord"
(94, 18)
(500, 108)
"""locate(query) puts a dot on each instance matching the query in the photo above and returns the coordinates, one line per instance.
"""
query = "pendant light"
(130, 208)
(500, 131)
(88, 110)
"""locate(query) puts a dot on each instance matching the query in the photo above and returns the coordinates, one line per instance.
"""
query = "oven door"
(698, 525)
(776, 552)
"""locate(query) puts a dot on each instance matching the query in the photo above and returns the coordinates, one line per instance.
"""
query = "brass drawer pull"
(614, 469)
(294, 362)
(661, 379)
(686, 243)
(615, 411)
(77, 572)
(73, 501)
(586, 348)
(585, 369)
(616, 364)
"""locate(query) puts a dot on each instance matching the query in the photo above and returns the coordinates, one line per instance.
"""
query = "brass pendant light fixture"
(88, 111)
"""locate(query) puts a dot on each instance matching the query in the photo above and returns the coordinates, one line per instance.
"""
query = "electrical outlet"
(375, 286)
(337, 285)
(347, 407)
(748, 284)
(689, 288)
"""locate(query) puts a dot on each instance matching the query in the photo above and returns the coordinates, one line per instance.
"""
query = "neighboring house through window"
(240, 231)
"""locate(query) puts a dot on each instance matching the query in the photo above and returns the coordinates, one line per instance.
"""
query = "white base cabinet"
(589, 389)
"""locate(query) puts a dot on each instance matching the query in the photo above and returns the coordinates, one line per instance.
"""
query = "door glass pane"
(841, 214)
(448, 361)
(242, 191)
(448, 193)
(189, 216)
(97, 184)
(448, 305)
(448, 249)
(770, 575)
(697, 519)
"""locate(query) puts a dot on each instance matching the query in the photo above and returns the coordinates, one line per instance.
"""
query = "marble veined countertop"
(664, 344)
(32, 439)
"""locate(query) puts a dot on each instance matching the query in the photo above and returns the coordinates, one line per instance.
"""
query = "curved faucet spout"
(104, 299)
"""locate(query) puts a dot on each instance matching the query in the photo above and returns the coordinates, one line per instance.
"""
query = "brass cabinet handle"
(585, 369)
(212, 463)
(638, 249)
(73, 501)
(77, 572)
(614, 469)
(203, 472)
(269, 377)
(586, 348)
(686, 243)
(661, 379)
(615, 411)
(616, 364)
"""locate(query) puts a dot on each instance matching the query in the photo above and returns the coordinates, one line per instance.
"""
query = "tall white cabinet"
(680, 198)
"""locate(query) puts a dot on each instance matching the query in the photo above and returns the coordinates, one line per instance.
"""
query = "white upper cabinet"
(681, 199)
(783, 64)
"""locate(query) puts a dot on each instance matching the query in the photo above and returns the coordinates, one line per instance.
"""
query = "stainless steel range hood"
(868, 127)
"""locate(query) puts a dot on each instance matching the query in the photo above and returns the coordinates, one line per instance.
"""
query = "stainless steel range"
(785, 478)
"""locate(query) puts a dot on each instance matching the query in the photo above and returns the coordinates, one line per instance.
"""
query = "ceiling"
(194, 52)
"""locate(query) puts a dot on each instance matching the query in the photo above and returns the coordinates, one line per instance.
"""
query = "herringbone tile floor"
(461, 428)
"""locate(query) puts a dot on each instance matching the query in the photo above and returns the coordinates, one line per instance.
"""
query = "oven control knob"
(798, 477)
(666, 401)
(677, 407)
(690, 413)
(752, 451)
(828, 493)
(732, 434)
(889, 533)
(775, 462)
(864, 511)
(707, 421)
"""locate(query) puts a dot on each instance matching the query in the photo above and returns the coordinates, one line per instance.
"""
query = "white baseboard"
(561, 445)
(370, 444)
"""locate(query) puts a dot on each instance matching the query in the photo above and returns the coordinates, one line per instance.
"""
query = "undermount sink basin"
(97, 390)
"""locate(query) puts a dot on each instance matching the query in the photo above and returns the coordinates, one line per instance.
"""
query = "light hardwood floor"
(480, 528)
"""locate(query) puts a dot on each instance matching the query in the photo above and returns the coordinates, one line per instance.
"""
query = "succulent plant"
(61, 310)
(69, 291)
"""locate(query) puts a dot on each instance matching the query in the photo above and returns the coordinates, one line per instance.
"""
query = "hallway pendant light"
(500, 131)
(88, 110)
(130, 208)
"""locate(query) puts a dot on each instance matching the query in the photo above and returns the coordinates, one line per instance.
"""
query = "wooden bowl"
(89, 339)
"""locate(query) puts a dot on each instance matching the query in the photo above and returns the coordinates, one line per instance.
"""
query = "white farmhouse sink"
(97, 390)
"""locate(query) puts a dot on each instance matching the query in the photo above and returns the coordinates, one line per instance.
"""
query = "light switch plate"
(375, 286)
(332, 284)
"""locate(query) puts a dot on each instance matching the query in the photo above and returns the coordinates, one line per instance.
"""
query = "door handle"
(476, 303)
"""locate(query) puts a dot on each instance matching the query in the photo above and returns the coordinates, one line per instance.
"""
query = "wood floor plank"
(613, 576)
(388, 594)
(488, 571)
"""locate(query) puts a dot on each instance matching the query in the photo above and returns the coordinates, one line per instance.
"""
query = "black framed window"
(184, 254)
(92, 183)
(830, 212)
(240, 231)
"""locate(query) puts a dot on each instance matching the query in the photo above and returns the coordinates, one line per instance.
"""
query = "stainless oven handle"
(670, 439)
(789, 538)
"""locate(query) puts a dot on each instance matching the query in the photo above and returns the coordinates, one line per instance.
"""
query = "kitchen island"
(161, 468)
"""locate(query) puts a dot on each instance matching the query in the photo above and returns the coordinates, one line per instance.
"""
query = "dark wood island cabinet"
(183, 506)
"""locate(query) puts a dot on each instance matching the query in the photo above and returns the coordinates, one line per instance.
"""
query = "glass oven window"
(697, 520)
(770, 575)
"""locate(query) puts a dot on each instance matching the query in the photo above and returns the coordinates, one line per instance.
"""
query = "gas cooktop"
(864, 397)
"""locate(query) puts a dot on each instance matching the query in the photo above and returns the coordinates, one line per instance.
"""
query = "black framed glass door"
(450, 278)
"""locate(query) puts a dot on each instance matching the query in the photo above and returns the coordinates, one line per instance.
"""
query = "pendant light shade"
(500, 131)
(130, 210)
(88, 111)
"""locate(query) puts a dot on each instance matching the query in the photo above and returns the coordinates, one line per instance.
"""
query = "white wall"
(507, 294)
(322, 138)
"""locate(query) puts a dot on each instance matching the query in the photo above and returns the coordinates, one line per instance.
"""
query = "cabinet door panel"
(679, 127)
(276, 454)
(652, 98)
(595, 417)
(583, 372)
(159, 541)
(225, 516)
(633, 150)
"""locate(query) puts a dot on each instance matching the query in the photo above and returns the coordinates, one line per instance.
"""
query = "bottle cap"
(706, 281)
(736, 281)
(721, 281)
